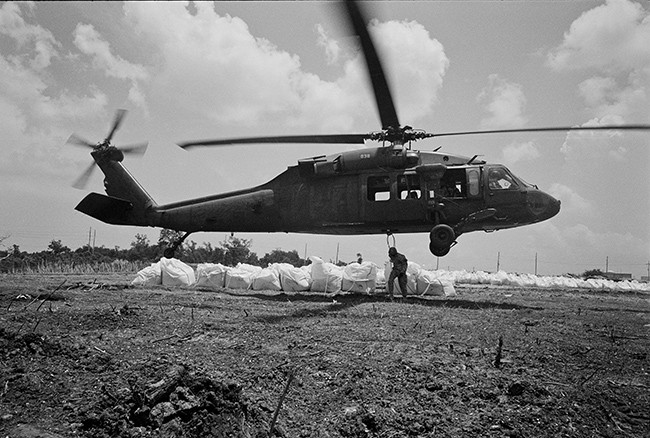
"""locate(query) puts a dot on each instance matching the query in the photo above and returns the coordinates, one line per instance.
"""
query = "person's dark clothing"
(400, 265)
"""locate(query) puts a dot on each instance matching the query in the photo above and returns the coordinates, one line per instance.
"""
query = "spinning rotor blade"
(78, 141)
(82, 181)
(335, 138)
(119, 116)
(551, 129)
(135, 149)
(385, 105)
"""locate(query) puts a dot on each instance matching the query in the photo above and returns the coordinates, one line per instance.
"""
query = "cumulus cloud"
(331, 46)
(515, 152)
(13, 25)
(613, 37)
(90, 43)
(572, 202)
(415, 61)
(201, 52)
(612, 40)
(505, 102)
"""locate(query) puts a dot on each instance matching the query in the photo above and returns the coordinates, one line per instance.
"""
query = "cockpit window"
(500, 179)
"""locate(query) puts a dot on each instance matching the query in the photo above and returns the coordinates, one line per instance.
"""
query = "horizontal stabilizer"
(107, 209)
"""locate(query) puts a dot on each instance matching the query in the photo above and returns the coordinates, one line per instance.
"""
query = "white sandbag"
(237, 278)
(293, 279)
(266, 279)
(212, 275)
(500, 278)
(359, 277)
(428, 283)
(448, 288)
(149, 276)
(326, 277)
(176, 273)
(249, 268)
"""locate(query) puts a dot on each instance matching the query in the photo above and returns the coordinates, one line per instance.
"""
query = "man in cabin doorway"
(400, 265)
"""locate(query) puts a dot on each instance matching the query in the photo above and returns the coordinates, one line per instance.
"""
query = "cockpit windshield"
(500, 178)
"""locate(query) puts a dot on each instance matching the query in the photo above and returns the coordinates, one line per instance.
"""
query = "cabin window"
(378, 188)
(408, 187)
(500, 179)
(473, 182)
(453, 184)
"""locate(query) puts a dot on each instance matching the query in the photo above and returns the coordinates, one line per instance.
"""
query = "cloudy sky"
(189, 71)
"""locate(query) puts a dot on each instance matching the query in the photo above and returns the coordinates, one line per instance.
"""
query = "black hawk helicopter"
(386, 189)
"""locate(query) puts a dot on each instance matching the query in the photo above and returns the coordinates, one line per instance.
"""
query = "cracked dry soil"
(93, 357)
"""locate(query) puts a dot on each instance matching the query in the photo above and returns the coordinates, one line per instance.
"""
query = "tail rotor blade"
(119, 116)
(137, 149)
(82, 181)
(78, 141)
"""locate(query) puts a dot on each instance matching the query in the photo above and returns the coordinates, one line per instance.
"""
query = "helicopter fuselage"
(351, 199)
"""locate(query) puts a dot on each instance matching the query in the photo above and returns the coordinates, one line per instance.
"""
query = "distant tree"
(592, 273)
(141, 249)
(202, 254)
(238, 251)
(56, 247)
(168, 237)
(4, 254)
(280, 256)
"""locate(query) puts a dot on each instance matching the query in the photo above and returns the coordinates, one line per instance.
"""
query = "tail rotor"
(105, 149)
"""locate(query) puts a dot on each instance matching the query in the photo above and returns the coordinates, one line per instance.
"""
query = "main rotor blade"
(76, 140)
(119, 116)
(134, 149)
(550, 129)
(335, 138)
(385, 105)
(82, 181)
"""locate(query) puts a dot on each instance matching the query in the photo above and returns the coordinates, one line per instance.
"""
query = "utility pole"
(498, 260)
(337, 253)
(94, 238)
(607, 264)
(535, 263)
(90, 230)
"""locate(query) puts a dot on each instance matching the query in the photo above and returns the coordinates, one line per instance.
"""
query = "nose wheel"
(442, 237)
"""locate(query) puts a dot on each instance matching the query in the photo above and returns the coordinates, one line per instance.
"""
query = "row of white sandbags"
(502, 278)
(319, 276)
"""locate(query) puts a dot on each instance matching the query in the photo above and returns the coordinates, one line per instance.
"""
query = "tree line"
(231, 251)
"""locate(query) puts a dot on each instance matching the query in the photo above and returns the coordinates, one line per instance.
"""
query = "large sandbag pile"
(359, 277)
(149, 276)
(267, 279)
(211, 275)
(293, 279)
(326, 277)
(176, 273)
(241, 276)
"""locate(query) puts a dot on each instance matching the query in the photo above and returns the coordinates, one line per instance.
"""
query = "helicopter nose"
(541, 205)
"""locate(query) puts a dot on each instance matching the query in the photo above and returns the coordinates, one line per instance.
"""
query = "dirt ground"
(84, 356)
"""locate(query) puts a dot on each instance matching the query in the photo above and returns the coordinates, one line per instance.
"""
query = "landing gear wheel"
(169, 253)
(442, 236)
(439, 251)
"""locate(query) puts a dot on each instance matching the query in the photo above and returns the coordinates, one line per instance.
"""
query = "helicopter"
(386, 189)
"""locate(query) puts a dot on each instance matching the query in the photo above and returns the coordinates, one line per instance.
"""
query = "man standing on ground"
(400, 264)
